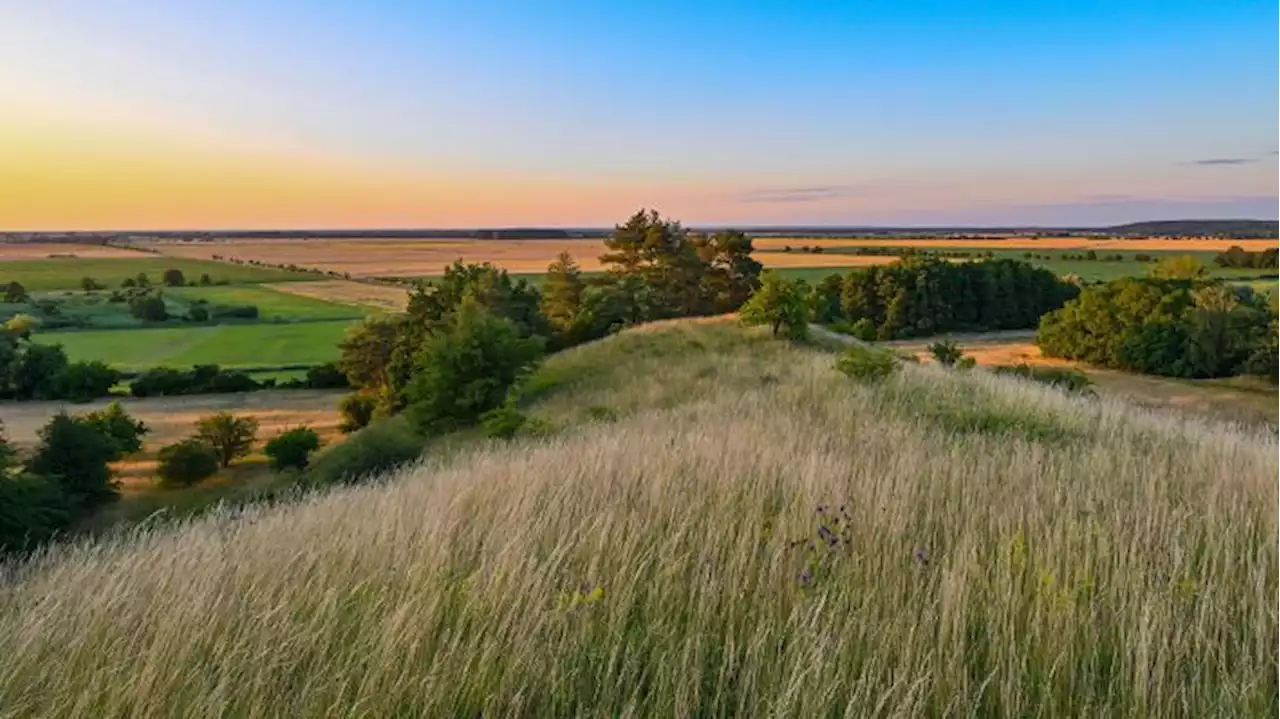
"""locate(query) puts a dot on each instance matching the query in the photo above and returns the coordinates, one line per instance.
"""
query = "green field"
(243, 346)
(66, 274)
(271, 304)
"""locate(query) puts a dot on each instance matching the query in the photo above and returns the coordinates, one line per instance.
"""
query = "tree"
(780, 303)
(205, 280)
(88, 284)
(124, 432)
(562, 292)
(366, 357)
(15, 293)
(21, 325)
(198, 313)
(75, 454)
(173, 278)
(292, 448)
(149, 308)
(187, 462)
(1181, 267)
(357, 411)
(229, 436)
(33, 510)
(84, 381)
(467, 369)
(33, 374)
(946, 353)
(141, 280)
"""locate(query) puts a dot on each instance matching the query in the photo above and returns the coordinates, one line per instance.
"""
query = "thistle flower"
(921, 556)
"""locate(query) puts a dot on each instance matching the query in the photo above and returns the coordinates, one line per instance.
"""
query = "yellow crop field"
(383, 297)
(11, 251)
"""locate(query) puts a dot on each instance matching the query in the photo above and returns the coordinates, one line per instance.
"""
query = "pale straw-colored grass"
(1083, 558)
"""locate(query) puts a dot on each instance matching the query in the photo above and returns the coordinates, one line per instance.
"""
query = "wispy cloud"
(798, 194)
(1225, 161)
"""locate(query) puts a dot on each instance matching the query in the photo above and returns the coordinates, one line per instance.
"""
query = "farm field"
(12, 251)
(272, 303)
(387, 298)
(745, 527)
(66, 274)
(263, 344)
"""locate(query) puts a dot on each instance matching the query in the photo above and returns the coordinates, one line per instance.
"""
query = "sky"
(153, 114)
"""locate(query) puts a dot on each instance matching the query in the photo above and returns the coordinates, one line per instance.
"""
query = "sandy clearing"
(14, 251)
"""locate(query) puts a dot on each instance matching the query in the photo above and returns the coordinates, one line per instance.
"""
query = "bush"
(15, 293)
(84, 381)
(503, 422)
(372, 451)
(292, 448)
(1064, 378)
(357, 412)
(205, 280)
(33, 510)
(124, 432)
(966, 363)
(88, 284)
(864, 329)
(149, 308)
(229, 436)
(74, 453)
(173, 278)
(242, 312)
(867, 365)
(201, 379)
(187, 462)
(946, 353)
(198, 313)
(326, 376)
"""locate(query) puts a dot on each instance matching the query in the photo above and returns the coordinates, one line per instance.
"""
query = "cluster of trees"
(468, 337)
(212, 379)
(67, 476)
(1236, 256)
(30, 371)
(1173, 324)
(1089, 256)
(925, 296)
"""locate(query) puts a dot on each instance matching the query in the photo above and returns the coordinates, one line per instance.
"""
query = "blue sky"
(149, 114)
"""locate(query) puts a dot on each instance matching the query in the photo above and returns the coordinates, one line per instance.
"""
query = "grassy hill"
(717, 524)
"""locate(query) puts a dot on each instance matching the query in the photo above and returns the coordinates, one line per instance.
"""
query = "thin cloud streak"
(798, 194)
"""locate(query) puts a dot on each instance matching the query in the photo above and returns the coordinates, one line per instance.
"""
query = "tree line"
(1175, 322)
(1236, 256)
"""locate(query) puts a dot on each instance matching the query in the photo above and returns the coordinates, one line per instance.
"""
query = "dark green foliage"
(149, 308)
(372, 451)
(88, 284)
(922, 296)
(1173, 327)
(198, 313)
(205, 280)
(1265, 359)
(15, 293)
(292, 448)
(600, 413)
(235, 312)
(866, 364)
(141, 280)
(826, 300)
(84, 381)
(1064, 378)
(124, 432)
(326, 376)
(187, 462)
(562, 301)
(946, 353)
(229, 436)
(74, 453)
(781, 304)
(864, 329)
(173, 278)
(33, 369)
(33, 510)
(503, 422)
(1236, 256)
(466, 369)
(201, 379)
(357, 411)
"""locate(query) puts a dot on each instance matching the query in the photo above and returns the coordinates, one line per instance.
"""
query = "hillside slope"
(722, 525)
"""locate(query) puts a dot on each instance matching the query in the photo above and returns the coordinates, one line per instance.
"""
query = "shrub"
(864, 329)
(867, 365)
(1064, 378)
(173, 278)
(966, 363)
(187, 462)
(357, 411)
(229, 436)
(124, 432)
(15, 293)
(326, 376)
(372, 451)
(503, 422)
(201, 379)
(84, 381)
(74, 453)
(198, 313)
(600, 413)
(292, 448)
(243, 312)
(33, 510)
(946, 352)
(149, 308)
(205, 280)
(88, 284)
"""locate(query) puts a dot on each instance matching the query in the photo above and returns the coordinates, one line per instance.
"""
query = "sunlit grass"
(653, 559)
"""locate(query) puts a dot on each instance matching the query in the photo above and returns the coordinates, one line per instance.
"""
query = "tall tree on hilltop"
(562, 293)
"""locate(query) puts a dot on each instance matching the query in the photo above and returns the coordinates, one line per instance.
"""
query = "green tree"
(946, 352)
(173, 278)
(467, 369)
(15, 293)
(186, 462)
(120, 427)
(33, 510)
(357, 411)
(141, 280)
(229, 436)
(205, 280)
(562, 293)
(84, 381)
(367, 353)
(781, 304)
(149, 308)
(75, 453)
(1181, 267)
(88, 284)
(33, 374)
(292, 448)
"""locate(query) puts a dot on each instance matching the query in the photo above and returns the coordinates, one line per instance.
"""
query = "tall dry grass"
(1012, 552)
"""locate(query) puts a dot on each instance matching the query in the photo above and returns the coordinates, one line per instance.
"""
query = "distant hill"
(1199, 228)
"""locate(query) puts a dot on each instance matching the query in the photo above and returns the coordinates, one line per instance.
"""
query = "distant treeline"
(1236, 256)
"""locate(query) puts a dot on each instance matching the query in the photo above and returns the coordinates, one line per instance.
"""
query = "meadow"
(272, 303)
(67, 273)
(719, 524)
(262, 344)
